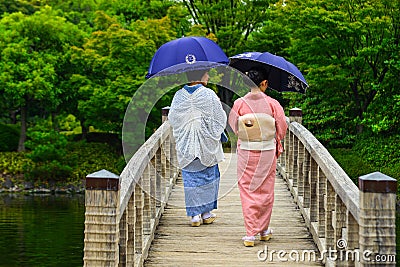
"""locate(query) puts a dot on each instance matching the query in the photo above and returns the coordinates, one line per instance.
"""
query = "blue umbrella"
(186, 53)
(282, 74)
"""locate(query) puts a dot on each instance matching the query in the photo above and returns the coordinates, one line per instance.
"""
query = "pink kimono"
(256, 169)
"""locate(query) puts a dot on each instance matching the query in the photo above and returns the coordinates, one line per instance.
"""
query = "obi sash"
(256, 131)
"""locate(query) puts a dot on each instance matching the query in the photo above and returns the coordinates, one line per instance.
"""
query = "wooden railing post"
(296, 114)
(313, 193)
(329, 208)
(321, 202)
(377, 229)
(101, 226)
(171, 152)
(158, 182)
(301, 176)
(164, 113)
(123, 240)
(146, 181)
(131, 222)
(139, 204)
(153, 186)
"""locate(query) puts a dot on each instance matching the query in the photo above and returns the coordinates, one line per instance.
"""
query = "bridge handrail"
(340, 181)
(136, 166)
(342, 218)
(122, 212)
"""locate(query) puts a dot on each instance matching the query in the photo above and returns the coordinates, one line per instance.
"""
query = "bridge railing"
(122, 212)
(351, 226)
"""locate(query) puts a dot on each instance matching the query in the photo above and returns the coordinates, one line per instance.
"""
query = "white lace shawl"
(197, 120)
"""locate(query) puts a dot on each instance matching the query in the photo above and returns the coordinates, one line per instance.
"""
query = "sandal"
(210, 218)
(248, 241)
(266, 235)
(196, 220)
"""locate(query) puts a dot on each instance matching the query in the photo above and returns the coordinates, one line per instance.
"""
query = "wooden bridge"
(320, 217)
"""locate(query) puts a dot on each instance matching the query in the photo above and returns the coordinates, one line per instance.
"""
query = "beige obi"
(256, 131)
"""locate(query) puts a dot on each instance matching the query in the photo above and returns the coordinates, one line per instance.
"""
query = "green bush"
(9, 137)
(48, 150)
(49, 171)
(351, 163)
(91, 157)
(11, 163)
(370, 153)
(381, 152)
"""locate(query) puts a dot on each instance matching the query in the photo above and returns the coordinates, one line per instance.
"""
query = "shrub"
(381, 152)
(47, 153)
(370, 153)
(12, 163)
(48, 171)
(351, 163)
(91, 157)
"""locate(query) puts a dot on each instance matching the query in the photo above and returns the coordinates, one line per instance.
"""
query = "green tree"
(382, 115)
(232, 22)
(134, 10)
(344, 47)
(111, 65)
(48, 152)
(273, 36)
(34, 62)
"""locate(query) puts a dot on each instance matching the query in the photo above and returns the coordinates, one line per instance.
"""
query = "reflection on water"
(41, 230)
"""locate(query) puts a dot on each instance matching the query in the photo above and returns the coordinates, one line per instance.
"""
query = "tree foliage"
(34, 61)
(112, 64)
(346, 49)
(230, 21)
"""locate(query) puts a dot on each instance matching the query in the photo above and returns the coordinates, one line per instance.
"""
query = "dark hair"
(195, 75)
(257, 75)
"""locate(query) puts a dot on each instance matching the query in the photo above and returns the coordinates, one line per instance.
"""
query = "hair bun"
(257, 75)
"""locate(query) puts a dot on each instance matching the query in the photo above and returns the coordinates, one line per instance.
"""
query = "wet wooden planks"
(176, 243)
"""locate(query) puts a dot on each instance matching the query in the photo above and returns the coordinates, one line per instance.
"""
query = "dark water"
(44, 230)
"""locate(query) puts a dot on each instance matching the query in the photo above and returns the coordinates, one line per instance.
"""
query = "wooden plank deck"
(176, 243)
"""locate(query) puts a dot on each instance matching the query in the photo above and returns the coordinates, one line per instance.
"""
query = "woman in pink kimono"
(260, 123)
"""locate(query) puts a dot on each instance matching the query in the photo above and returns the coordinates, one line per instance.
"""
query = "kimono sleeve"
(281, 126)
(233, 117)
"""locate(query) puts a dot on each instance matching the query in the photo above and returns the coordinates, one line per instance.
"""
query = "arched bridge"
(320, 217)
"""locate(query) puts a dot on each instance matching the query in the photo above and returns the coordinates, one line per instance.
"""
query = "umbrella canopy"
(186, 53)
(283, 75)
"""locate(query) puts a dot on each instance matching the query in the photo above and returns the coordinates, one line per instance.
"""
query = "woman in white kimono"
(198, 120)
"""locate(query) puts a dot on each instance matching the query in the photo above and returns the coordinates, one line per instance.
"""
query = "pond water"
(41, 230)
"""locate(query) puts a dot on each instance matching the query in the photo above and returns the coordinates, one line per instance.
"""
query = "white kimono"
(198, 120)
